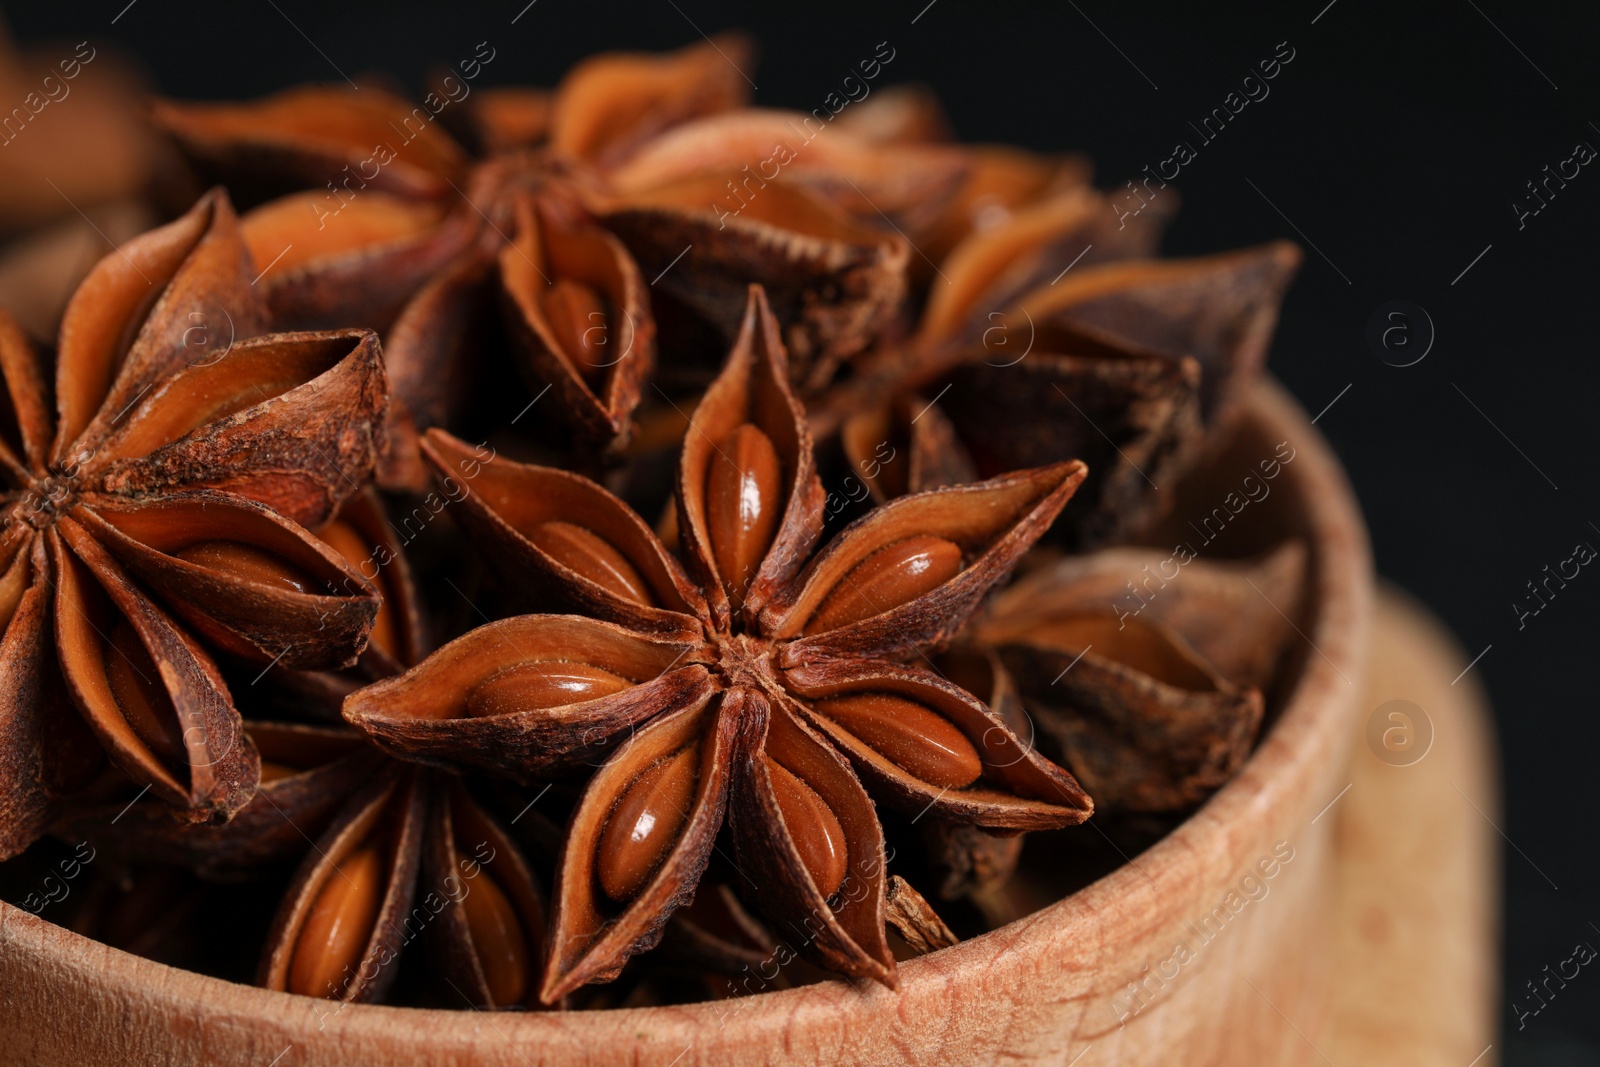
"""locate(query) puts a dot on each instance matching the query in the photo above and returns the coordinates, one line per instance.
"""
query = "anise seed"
(348, 542)
(539, 685)
(498, 937)
(136, 687)
(335, 933)
(891, 576)
(582, 550)
(645, 825)
(814, 827)
(926, 745)
(249, 563)
(744, 497)
(578, 318)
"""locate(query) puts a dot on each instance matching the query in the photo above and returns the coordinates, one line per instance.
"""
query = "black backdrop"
(1395, 141)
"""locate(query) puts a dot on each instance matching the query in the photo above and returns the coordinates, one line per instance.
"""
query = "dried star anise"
(1057, 337)
(398, 853)
(626, 169)
(154, 502)
(1154, 703)
(756, 678)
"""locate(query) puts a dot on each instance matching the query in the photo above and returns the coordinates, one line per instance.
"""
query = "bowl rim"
(1341, 589)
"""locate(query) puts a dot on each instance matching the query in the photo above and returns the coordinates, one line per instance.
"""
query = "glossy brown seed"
(645, 825)
(813, 826)
(539, 685)
(498, 938)
(334, 936)
(136, 687)
(926, 745)
(891, 576)
(249, 563)
(348, 542)
(744, 498)
(580, 323)
(587, 553)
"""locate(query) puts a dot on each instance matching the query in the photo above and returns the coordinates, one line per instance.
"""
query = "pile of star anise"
(758, 469)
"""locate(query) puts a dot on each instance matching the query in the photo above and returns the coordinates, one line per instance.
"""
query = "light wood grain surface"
(1417, 898)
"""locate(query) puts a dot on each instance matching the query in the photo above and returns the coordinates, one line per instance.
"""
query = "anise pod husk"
(316, 397)
(489, 974)
(848, 938)
(752, 389)
(414, 269)
(907, 185)
(422, 714)
(328, 262)
(924, 450)
(590, 938)
(1140, 715)
(835, 282)
(1001, 179)
(993, 521)
(1236, 614)
(1148, 729)
(1164, 350)
(1019, 790)
(549, 247)
(502, 505)
(609, 105)
(314, 770)
(1220, 310)
(907, 113)
(1017, 245)
(1133, 416)
(503, 118)
(361, 532)
(1035, 245)
(429, 354)
(305, 136)
(151, 418)
(387, 816)
(966, 858)
(732, 673)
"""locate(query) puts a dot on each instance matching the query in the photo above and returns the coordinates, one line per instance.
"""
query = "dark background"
(1396, 141)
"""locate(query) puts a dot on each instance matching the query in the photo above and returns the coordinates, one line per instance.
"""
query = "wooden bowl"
(1211, 947)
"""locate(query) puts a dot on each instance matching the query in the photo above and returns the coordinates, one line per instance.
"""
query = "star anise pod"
(389, 853)
(757, 678)
(1061, 338)
(153, 508)
(1144, 669)
(571, 223)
